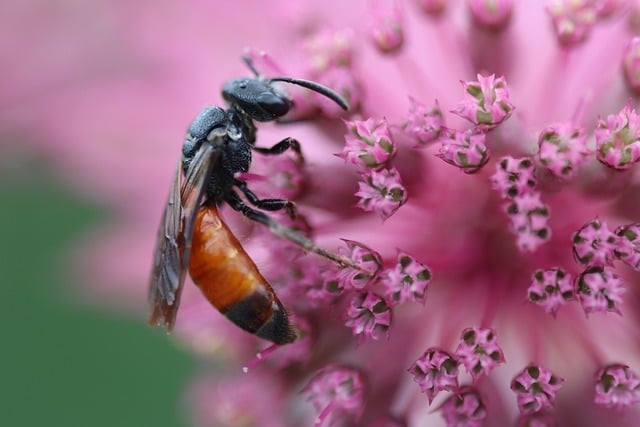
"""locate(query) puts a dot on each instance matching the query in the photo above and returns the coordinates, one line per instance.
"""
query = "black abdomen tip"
(263, 316)
(277, 328)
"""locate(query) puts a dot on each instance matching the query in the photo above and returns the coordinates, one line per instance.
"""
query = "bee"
(193, 236)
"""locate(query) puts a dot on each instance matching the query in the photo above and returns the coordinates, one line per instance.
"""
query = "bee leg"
(236, 203)
(267, 204)
(281, 147)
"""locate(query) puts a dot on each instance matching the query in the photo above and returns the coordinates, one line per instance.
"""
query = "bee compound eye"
(273, 103)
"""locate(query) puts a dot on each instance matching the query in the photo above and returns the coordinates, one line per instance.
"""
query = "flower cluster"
(536, 388)
(618, 139)
(370, 147)
(386, 26)
(562, 148)
(424, 124)
(573, 20)
(617, 386)
(515, 180)
(486, 105)
(598, 287)
(336, 391)
(437, 370)
(551, 289)
(548, 125)
(375, 291)
(486, 102)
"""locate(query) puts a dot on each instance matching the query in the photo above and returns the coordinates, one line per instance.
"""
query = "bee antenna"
(316, 87)
(247, 60)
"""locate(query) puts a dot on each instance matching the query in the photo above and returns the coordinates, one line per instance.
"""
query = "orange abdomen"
(230, 280)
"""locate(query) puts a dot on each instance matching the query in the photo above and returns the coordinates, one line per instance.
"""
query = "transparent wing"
(173, 246)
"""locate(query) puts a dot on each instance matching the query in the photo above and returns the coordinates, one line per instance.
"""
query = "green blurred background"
(63, 363)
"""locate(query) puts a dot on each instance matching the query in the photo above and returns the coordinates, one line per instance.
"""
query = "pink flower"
(408, 281)
(486, 102)
(423, 124)
(536, 388)
(381, 191)
(562, 148)
(631, 64)
(491, 13)
(595, 244)
(514, 177)
(600, 290)
(369, 316)
(617, 386)
(435, 371)
(465, 150)
(629, 248)
(525, 205)
(336, 391)
(573, 20)
(432, 7)
(479, 352)
(618, 139)
(369, 262)
(515, 180)
(464, 409)
(551, 289)
(386, 26)
(368, 144)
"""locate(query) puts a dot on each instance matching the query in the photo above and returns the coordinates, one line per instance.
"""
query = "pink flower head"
(537, 419)
(536, 389)
(562, 148)
(408, 281)
(330, 48)
(631, 64)
(381, 191)
(435, 371)
(628, 249)
(618, 139)
(423, 124)
(369, 316)
(432, 7)
(116, 139)
(529, 220)
(572, 19)
(343, 81)
(486, 102)
(595, 245)
(493, 14)
(329, 56)
(514, 177)
(479, 351)
(515, 180)
(368, 144)
(599, 290)
(389, 421)
(617, 386)
(465, 150)
(464, 409)
(551, 289)
(336, 392)
(367, 259)
(312, 282)
(607, 8)
(386, 26)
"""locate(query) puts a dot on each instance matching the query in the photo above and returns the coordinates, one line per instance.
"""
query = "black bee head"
(257, 98)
